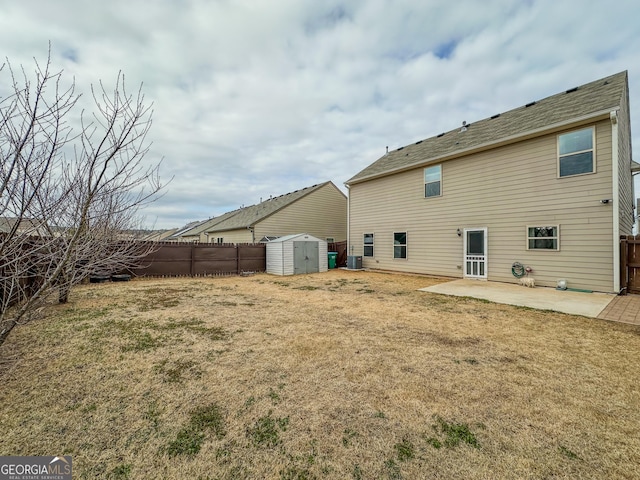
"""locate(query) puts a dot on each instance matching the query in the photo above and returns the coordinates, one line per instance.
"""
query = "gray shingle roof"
(248, 216)
(584, 101)
(205, 225)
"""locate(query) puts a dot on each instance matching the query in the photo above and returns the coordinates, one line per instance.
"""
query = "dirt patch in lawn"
(334, 375)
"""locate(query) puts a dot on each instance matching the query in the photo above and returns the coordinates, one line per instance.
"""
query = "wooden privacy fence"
(202, 259)
(630, 264)
(341, 249)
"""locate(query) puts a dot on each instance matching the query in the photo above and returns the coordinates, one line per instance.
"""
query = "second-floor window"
(576, 153)
(433, 181)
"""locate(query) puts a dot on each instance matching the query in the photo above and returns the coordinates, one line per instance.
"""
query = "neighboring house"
(176, 236)
(548, 185)
(319, 210)
(159, 235)
(24, 226)
(198, 233)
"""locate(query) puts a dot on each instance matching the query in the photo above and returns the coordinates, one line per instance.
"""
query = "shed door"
(305, 257)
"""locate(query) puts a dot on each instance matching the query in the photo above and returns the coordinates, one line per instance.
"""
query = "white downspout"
(615, 174)
(348, 217)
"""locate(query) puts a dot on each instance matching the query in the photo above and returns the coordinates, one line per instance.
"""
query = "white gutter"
(615, 175)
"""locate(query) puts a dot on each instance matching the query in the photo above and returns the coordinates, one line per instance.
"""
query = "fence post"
(192, 269)
(624, 269)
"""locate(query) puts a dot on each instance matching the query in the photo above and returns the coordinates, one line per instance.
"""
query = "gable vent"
(571, 90)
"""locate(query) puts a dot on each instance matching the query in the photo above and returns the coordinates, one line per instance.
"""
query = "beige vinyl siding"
(504, 190)
(233, 236)
(624, 167)
(322, 213)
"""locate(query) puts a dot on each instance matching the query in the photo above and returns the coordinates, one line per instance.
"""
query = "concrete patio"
(543, 298)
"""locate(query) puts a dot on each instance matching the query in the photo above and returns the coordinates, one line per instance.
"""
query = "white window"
(368, 245)
(433, 181)
(330, 240)
(576, 153)
(400, 245)
(543, 238)
(219, 240)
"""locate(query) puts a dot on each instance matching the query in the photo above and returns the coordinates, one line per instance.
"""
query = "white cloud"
(257, 98)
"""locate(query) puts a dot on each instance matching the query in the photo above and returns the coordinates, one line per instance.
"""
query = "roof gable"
(248, 216)
(588, 100)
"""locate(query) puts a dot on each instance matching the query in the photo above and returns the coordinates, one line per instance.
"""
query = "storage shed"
(294, 254)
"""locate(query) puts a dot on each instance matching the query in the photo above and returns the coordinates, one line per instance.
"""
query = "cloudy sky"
(262, 97)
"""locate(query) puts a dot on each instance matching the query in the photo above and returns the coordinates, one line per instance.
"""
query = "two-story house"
(547, 185)
(319, 210)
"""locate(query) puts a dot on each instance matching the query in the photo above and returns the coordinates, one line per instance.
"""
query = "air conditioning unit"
(354, 262)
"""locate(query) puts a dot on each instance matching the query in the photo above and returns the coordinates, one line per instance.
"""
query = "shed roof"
(586, 101)
(286, 238)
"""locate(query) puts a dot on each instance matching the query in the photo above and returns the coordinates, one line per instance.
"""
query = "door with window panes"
(475, 253)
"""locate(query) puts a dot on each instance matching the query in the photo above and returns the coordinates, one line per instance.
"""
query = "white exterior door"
(475, 253)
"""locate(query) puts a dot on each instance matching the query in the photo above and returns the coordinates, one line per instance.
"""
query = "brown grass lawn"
(340, 375)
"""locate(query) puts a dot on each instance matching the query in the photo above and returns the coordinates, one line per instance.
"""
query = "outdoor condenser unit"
(354, 262)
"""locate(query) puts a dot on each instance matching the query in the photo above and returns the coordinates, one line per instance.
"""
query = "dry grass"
(337, 375)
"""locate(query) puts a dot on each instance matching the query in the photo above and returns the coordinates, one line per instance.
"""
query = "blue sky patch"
(70, 54)
(445, 50)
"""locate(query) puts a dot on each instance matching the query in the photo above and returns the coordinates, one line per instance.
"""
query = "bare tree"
(67, 194)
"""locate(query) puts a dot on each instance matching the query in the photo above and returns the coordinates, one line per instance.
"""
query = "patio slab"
(543, 298)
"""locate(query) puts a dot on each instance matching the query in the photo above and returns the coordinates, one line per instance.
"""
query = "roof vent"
(464, 126)
(419, 142)
(400, 148)
(495, 116)
(571, 90)
(530, 104)
(440, 135)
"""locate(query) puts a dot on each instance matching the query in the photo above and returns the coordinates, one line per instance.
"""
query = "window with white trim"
(368, 245)
(576, 152)
(400, 245)
(543, 238)
(219, 240)
(433, 181)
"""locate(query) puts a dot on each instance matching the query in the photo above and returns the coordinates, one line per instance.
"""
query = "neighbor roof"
(207, 224)
(248, 216)
(586, 101)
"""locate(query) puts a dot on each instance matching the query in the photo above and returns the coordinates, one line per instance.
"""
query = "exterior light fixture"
(459, 232)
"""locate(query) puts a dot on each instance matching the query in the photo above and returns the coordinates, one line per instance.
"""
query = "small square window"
(368, 245)
(433, 181)
(576, 153)
(400, 245)
(543, 238)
